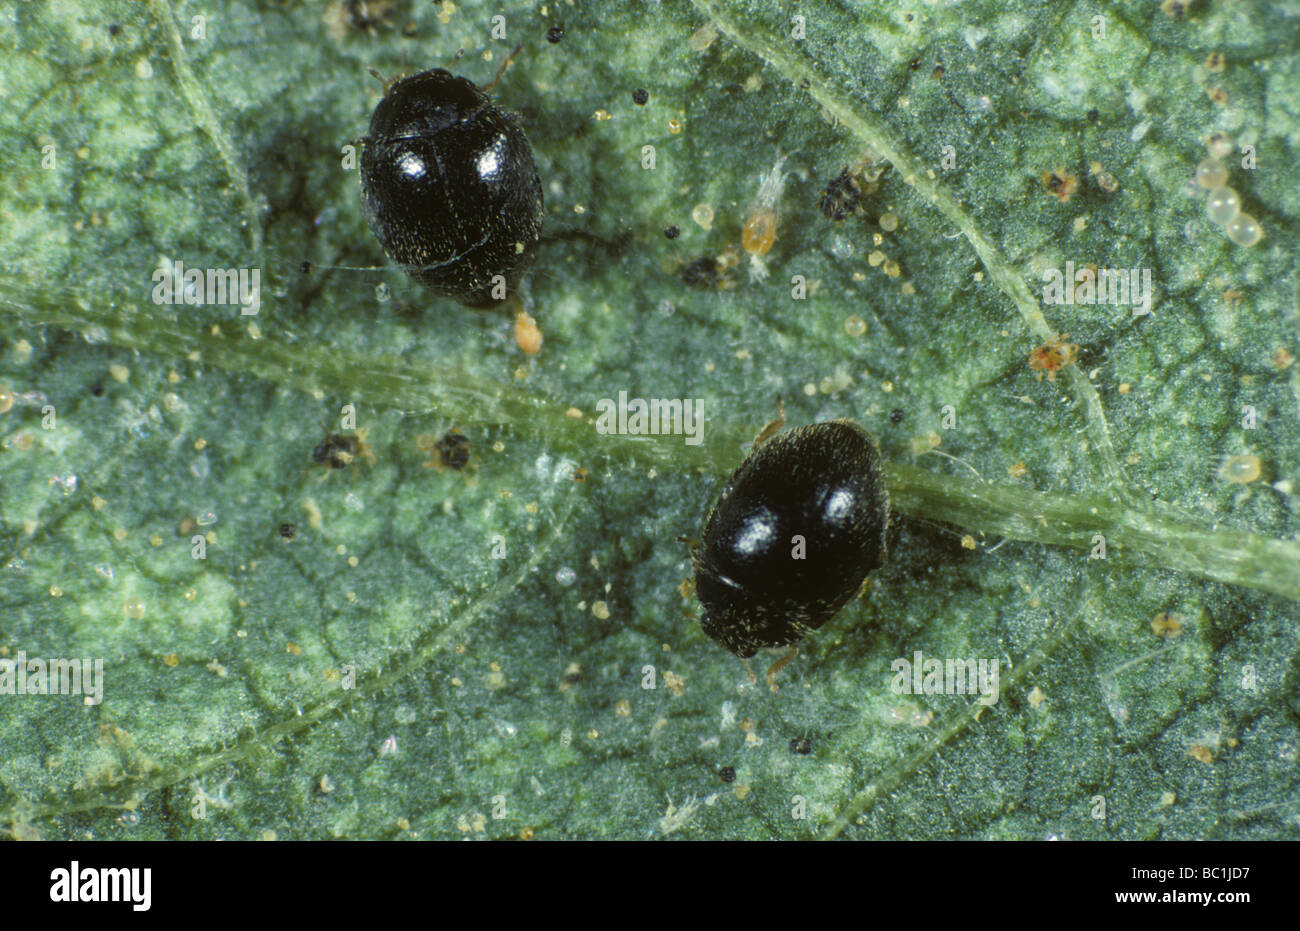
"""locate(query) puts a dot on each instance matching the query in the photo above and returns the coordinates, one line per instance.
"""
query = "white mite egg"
(1240, 470)
(1219, 146)
(1244, 230)
(1223, 205)
(1211, 174)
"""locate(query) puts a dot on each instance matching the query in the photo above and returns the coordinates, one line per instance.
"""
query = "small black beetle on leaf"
(449, 187)
(793, 536)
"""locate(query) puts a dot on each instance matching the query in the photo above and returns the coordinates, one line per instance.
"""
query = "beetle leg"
(779, 665)
(428, 443)
(774, 426)
(504, 65)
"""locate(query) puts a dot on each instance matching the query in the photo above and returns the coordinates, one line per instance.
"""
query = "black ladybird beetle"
(449, 187)
(795, 532)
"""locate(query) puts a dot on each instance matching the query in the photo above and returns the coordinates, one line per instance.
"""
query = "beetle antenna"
(382, 80)
(773, 427)
(504, 65)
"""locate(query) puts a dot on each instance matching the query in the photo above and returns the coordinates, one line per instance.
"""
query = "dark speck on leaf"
(841, 196)
(555, 33)
(672, 232)
(897, 415)
(702, 273)
(337, 450)
(453, 450)
(360, 16)
(801, 745)
(640, 96)
(97, 390)
(727, 774)
(287, 531)
(115, 30)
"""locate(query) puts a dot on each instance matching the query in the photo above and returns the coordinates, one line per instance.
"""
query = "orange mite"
(759, 231)
(1053, 356)
(1060, 184)
(527, 334)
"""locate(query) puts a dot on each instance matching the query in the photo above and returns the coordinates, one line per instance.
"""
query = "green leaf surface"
(502, 624)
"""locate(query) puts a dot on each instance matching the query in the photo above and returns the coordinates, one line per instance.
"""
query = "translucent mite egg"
(1219, 146)
(1244, 230)
(1211, 174)
(1223, 205)
(1240, 470)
